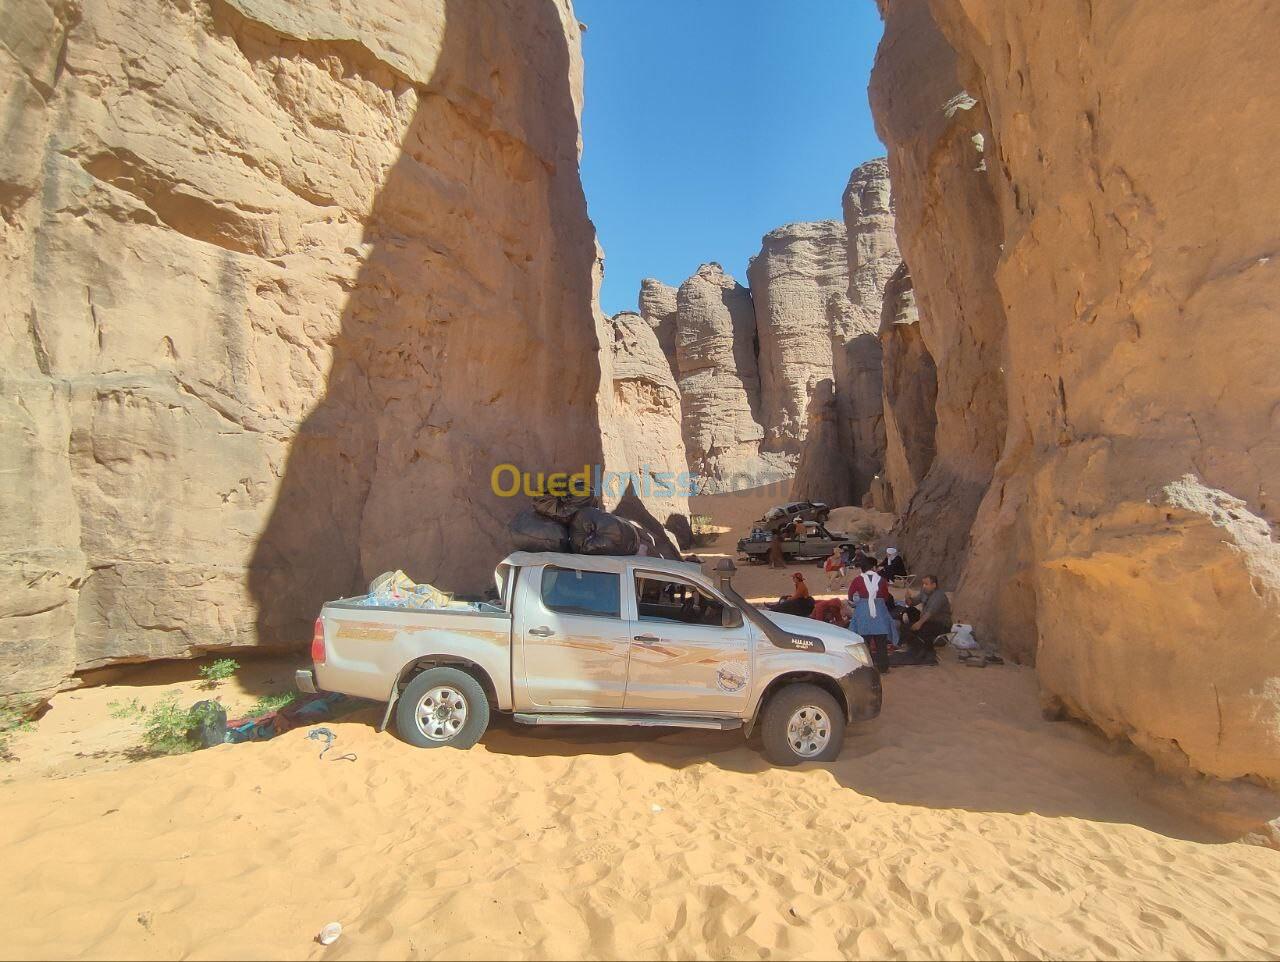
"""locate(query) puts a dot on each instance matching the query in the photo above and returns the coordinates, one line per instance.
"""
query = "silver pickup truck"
(591, 640)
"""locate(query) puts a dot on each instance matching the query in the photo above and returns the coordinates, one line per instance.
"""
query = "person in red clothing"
(872, 611)
(834, 611)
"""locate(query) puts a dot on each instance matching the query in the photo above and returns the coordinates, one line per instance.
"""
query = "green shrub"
(218, 672)
(166, 725)
(12, 720)
(269, 703)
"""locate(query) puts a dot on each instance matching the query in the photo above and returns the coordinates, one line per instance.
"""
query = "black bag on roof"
(531, 531)
(633, 509)
(598, 532)
(563, 507)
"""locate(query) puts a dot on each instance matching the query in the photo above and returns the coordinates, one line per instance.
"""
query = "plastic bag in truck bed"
(597, 532)
(531, 531)
(395, 589)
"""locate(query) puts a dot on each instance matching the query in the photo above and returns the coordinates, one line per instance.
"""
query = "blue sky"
(710, 122)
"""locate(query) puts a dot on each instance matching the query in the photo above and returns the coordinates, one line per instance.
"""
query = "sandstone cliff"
(949, 232)
(658, 308)
(845, 446)
(793, 278)
(1086, 202)
(281, 286)
(719, 379)
(910, 392)
(641, 421)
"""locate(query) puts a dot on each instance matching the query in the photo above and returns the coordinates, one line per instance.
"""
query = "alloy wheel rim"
(441, 713)
(808, 731)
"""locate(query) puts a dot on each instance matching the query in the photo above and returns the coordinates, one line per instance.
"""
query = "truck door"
(683, 657)
(574, 639)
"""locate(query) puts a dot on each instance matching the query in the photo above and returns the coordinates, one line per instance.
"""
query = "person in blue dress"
(872, 611)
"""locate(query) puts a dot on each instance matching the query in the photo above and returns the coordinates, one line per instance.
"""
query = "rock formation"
(1086, 202)
(793, 278)
(641, 422)
(910, 392)
(658, 308)
(845, 446)
(719, 381)
(949, 232)
(280, 287)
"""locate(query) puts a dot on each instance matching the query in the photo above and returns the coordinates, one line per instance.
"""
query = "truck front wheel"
(442, 706)
(802, 723)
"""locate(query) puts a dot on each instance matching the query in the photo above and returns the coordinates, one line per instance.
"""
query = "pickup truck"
(598, 640)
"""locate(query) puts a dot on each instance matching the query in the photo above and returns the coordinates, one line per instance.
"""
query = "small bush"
(701, 524)
(12, 720)
(218, 672)
(269, 703)
(166, 725)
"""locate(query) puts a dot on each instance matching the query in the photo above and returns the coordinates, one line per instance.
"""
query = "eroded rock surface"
(658, 308)
(910, 392)
(1105, 343)
(844, 449)
(719, 380)
(793, 278)
(949, 231)
(641, 421)
(281, 285)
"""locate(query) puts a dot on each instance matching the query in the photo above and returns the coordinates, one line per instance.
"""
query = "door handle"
(647, 639)
(541, 632)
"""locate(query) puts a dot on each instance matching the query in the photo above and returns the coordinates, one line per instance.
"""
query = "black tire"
(785, 703)
(460, 688)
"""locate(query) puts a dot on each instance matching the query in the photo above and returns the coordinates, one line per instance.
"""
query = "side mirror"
(731, 618)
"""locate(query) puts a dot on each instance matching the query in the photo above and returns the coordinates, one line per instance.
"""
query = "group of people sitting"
(848, 557)
(910, 627)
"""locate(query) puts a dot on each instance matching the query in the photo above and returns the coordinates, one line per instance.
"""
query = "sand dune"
(958, 825)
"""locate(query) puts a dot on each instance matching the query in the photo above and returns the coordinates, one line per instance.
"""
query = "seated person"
(834, 567)
(834, 611)
(799, 602)
(894, 566)
(932, 617)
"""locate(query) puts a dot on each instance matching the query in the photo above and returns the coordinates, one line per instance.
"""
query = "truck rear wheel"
(442, 707)
(802, 723)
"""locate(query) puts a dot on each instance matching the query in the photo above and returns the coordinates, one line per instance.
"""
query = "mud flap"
(391, 704)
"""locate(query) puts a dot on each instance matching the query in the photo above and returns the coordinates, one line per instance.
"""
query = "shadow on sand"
(949, 738)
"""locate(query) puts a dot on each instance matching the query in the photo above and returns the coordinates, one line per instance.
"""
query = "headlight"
(861, 654)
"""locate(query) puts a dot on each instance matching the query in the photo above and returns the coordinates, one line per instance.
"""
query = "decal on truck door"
(732, 676)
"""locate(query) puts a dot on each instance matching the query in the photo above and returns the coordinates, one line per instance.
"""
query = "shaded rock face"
(910, 392)
(281, 287)
(845, 450)
(641, 421)
(658, 308)
(949, 232)
(719, 380)
(793, 278)
(1126, 534)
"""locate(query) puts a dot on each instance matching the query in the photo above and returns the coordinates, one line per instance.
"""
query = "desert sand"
(959, 824)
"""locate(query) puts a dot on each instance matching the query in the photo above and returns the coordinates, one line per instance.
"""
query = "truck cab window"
(573, 592)
(669, 599)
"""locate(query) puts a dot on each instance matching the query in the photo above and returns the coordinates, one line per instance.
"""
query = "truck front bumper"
(305, 681)
(862, 693)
